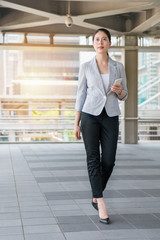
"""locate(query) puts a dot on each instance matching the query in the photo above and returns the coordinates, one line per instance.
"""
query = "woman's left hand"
(117, 88)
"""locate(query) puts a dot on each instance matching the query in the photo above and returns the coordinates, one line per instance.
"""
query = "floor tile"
(46, 236)
(93, 235)
(52, 194)
(12, 237)
(73, 227)
(39, 221)
(117, 222)
(73, 219)
(143, 221)
(41, 229)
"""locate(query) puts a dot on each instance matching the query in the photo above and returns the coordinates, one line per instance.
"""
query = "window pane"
(149, 80)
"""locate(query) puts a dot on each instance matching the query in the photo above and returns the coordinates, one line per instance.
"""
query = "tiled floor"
(45, 194)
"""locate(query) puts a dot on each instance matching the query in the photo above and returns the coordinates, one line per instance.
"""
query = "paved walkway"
(45, 194)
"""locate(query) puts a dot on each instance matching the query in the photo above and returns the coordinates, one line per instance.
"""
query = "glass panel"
(1, 38)
(116, 54)
(149, 96)
(148, 41)
(13, 38)
(148, 80)
(68, 40)
(39, 73)
(38, 91)
(38, 39)
(117, 41)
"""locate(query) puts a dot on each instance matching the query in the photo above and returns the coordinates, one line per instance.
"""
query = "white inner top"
(105, 78)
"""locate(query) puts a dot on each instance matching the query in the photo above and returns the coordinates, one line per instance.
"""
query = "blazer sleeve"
(82, 89)
(124, 81)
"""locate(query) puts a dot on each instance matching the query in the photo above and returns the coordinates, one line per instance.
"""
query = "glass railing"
(57, 125)
(35, 121)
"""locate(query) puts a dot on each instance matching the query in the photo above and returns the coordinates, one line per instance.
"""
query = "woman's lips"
(100, 47)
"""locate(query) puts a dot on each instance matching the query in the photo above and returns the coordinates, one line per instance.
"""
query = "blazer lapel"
(112, 72)
(98, 76)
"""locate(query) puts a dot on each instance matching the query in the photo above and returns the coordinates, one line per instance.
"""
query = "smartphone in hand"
(118, 81)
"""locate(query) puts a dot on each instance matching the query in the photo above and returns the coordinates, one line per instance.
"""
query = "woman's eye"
(103, 39)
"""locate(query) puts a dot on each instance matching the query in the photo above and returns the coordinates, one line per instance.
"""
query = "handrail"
(148, 82)
(50, 133)
(148, 100)
(149, 86)
(66, 117)
(39, 109)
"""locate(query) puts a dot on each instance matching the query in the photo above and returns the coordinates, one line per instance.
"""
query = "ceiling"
(48, 16)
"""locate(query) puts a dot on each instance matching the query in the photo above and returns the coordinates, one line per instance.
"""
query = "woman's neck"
(102, 58)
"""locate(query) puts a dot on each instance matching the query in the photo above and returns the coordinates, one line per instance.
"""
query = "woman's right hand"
(77, 132)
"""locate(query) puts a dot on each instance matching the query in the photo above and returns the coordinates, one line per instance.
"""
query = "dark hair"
(102, 30)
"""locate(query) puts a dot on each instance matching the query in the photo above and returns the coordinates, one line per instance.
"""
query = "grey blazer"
(91, 96)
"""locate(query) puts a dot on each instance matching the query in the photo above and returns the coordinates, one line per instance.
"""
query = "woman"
(97, 108)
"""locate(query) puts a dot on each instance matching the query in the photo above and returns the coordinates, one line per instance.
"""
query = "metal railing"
(155, 82)
(149, 129)
(31, 128)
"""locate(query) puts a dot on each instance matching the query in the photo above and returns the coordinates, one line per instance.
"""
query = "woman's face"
(101, 42)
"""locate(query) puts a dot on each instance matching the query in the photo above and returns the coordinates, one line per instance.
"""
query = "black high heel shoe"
(106, 220)
(95, 205)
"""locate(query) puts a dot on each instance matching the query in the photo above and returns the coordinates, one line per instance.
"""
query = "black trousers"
(100, 134)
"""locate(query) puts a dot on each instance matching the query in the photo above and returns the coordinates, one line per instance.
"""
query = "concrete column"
(130, 107)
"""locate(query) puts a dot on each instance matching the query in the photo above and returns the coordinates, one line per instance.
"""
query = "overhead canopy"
(48, 16)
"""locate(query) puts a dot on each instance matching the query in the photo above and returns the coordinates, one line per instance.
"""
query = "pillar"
(130, 107)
